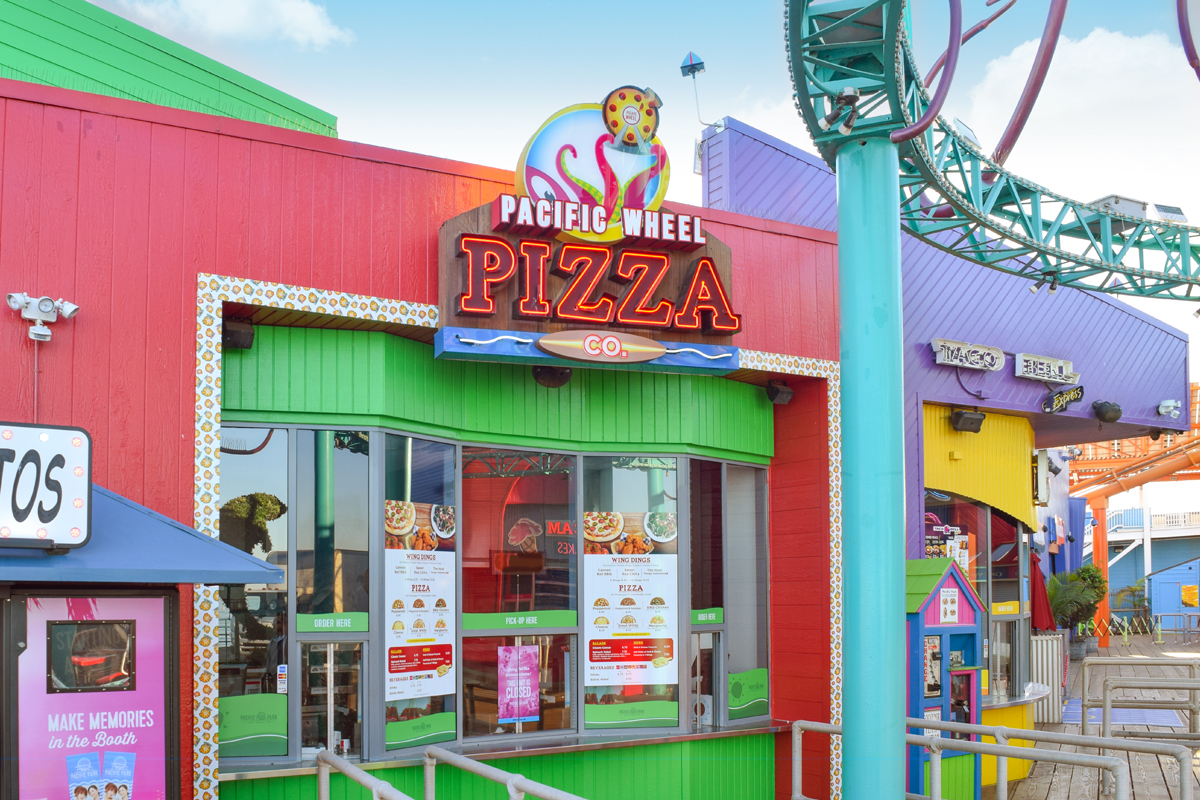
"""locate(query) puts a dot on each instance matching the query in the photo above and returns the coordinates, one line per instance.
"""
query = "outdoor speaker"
(779, 393)
(1107, 411)
(967, 421)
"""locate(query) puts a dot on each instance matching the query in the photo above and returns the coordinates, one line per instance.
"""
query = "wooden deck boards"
(1154, 777)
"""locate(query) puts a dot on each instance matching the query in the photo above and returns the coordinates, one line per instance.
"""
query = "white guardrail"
(518, 785)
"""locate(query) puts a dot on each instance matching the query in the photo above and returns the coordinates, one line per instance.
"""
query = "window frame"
(372, 747)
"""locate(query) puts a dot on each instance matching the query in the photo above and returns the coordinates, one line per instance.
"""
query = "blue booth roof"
(132, 544)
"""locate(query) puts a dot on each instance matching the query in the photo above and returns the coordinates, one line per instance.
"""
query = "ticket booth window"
(90, 656)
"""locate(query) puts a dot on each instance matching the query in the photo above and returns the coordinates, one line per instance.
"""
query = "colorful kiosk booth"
(91, 626)
(945, 636)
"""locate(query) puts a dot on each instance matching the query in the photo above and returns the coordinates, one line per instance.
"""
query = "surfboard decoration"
(610, 347)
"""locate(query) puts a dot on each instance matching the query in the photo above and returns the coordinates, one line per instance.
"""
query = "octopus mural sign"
(605, 156)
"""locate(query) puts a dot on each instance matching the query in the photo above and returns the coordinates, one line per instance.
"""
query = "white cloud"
(303, 22)
(1117, 115)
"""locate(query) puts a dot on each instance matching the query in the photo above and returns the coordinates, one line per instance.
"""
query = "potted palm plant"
(1094, 579)
(1072, 601)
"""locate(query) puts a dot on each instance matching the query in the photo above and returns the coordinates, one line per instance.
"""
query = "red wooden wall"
(117, 206)
(799, 547)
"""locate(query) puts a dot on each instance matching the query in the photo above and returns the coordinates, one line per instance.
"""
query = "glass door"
(331, 698)
(706, 652)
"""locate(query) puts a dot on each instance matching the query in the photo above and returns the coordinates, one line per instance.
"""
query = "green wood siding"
(958, 777)
(741, 767)
(76, 45)
(337, 377)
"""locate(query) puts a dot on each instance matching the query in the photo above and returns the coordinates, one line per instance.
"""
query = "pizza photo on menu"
(398, 516)
(602, 526)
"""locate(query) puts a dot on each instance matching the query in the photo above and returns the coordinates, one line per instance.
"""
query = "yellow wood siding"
(1016, 717)
(992, 466)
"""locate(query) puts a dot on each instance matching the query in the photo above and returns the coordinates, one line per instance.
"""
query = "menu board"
(631, 598)
(419, 592)
(949, 541)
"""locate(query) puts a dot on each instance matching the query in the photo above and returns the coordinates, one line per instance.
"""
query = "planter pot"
(1078, 650)
(1093, 645)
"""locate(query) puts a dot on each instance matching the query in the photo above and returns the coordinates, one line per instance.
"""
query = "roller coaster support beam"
(872, 469)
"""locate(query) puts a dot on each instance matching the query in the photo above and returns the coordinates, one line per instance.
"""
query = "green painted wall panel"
(77, 45)
(958, 777)
(740, 767)
(310, 375)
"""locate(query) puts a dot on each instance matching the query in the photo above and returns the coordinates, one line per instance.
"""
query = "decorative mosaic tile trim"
(211, 292)
(831, 372)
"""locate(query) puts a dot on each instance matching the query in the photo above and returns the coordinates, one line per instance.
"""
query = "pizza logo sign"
(605, 156)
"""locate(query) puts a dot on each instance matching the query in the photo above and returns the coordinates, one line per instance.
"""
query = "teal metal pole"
(323, 517)
(872, 470)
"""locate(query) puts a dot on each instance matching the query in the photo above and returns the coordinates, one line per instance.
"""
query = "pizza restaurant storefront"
(534, 521)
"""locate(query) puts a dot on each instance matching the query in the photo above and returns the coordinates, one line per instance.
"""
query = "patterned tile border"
(831, 372)
(213, 290)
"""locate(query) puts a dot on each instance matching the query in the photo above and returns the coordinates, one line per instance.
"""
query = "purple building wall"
(1122, 354)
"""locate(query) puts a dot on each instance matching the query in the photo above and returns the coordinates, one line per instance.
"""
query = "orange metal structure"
(1109, 468)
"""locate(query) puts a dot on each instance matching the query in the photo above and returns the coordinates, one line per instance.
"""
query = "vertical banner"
(93, 699)
(420, 595)
(517, 684)
(631, 618)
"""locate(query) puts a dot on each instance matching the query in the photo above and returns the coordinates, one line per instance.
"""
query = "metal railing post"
(1083, 702)
(430, 777)
(322, 781)
(1001, 738)
(1106, 727)
(935, 772)
(797, 762)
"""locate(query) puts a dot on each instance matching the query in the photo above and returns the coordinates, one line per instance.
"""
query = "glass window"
(331, 698)
(708, 566)
(253, 618)
(706, 648)
(957, 528)
(517, 684)
(332, 592)
(631, 526)
(518, 538)
(90, 656)
(746, 608)
(1006, 559)
(1004, 658)
(420, 594)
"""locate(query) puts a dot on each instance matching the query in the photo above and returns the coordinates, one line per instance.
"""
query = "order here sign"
(45, 486)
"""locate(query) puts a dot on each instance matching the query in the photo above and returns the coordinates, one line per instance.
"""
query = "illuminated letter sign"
(703, 302)
(490, 262)
(645, 271)
(586, 264)
(970, 356)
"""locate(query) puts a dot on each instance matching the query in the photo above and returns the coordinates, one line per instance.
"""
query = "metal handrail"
(1087, 702)
(1003, 735)
(1118, 769)
(380, 789)
(518, 785)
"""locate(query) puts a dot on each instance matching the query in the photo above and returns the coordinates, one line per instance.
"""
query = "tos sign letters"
(45, 486)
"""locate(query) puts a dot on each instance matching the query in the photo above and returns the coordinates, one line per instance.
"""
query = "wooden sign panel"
(662, 294)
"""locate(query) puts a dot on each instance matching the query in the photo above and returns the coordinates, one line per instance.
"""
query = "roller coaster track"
(853, 70)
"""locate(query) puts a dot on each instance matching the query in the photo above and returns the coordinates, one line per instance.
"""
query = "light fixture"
(779, 393)
(40, 310)
(967, 421)
(1169, 408)
(1054, 285)
(1107, 411)
(1196, 313)
(692, 66)
(1071, 538)
(847, 97)
(1052, 466)
(551, 377)
(1155, 435)
(848, 125)
(237, 335)
(1034, 289)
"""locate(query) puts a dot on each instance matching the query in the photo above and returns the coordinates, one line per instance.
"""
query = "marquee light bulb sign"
(584, 241)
